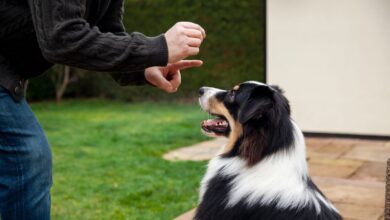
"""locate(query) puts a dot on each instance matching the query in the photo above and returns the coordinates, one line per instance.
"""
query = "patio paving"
(351, 172)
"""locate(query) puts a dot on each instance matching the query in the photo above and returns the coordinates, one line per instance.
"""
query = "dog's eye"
(231, 95)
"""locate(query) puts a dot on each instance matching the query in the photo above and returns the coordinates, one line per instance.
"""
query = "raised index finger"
(185, 64)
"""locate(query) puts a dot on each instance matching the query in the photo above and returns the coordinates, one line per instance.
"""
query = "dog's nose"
(201, 91)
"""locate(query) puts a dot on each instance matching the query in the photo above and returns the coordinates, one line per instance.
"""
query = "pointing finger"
(185, 64)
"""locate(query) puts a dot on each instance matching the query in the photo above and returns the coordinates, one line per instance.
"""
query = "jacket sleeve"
(65, 37)
(113, 22)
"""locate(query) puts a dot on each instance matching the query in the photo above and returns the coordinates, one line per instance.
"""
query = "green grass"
(107, 158)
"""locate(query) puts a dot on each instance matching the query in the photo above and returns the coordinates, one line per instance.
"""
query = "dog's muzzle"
(205, 94)
(212, 127)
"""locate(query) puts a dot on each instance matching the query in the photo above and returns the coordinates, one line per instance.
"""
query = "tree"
(63, 75)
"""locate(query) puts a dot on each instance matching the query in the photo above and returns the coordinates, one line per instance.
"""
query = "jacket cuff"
(158, 51)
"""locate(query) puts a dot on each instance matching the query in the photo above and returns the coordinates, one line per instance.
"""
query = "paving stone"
(351, 211)
(336, 149)
(187, 216)
(339, 162)
(314, 155)
(362, 193)
(341, 168)
(375, 153)
(355, 141)
(334, 171)
(198, 152)
(313, 143)
(371, 171)
(325, 147)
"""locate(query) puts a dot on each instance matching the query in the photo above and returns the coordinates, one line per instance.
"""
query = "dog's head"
(254, 116)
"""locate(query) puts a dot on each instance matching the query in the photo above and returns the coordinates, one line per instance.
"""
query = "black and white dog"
(262, 172)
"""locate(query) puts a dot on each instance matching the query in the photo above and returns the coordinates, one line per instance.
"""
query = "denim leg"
(25, 163)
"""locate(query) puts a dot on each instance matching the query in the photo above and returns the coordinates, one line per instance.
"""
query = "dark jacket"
(89, 34)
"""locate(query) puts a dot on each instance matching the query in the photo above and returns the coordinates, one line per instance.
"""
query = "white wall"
(332, 57)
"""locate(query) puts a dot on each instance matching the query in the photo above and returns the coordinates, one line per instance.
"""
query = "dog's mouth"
(218, 126)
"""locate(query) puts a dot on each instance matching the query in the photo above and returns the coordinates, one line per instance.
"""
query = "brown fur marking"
(217, 107)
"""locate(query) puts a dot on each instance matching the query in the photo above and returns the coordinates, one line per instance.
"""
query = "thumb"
(159, 81)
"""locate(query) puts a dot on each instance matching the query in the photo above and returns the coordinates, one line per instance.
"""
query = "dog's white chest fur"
(280, 179)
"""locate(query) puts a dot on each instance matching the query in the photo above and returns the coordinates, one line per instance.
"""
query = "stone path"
(202, 151)
(351, 172)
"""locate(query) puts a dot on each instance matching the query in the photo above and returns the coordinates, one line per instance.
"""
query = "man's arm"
(65, 37)
(113, 22)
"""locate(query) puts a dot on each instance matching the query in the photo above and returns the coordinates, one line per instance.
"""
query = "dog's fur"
(262, 172)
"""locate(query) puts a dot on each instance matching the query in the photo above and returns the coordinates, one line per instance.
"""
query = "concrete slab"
(363, 193)
(198, 152)
(357, 212)
(371, 171)
(369, 152)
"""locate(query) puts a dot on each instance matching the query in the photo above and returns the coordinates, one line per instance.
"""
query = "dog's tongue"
(215, 123)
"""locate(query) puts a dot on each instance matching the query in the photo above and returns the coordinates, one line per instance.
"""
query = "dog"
(262, 172)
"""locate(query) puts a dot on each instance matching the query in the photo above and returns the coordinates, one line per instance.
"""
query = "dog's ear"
(258, 102)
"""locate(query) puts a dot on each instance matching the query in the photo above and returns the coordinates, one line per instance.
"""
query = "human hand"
(168, 78)
(183, 40)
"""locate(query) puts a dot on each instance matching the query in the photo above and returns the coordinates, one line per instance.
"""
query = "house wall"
(332, 57)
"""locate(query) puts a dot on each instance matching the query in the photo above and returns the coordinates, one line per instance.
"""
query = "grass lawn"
(107, 158)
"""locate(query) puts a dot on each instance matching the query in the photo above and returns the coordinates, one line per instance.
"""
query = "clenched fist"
(184, 40)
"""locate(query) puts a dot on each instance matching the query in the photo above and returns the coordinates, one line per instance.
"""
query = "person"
(89, 34)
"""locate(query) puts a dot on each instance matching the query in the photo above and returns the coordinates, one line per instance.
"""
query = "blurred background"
(234, 50)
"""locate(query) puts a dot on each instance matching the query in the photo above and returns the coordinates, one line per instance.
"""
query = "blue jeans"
(25, 163)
